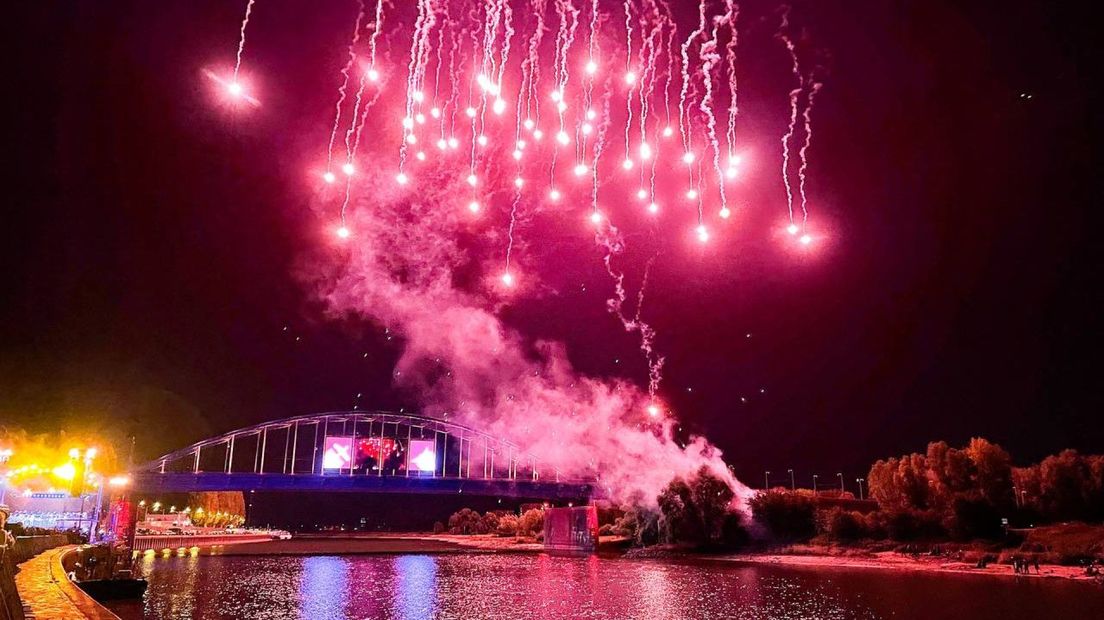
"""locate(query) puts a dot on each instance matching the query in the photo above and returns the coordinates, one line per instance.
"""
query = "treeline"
(943, 494)
(529, 524)
(695, 512)
(956, 493)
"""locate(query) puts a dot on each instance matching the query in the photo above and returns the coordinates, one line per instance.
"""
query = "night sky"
(146, 274)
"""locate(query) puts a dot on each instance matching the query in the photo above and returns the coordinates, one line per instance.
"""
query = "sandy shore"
(889, 560)
(382, 543)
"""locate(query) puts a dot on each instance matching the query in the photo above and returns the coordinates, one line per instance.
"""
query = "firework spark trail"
(670, 69)
(647, 59)
(361, 84)
(445, 21)
(419, 57)
(343, 89)
(241, 39)
(813, 90)
(506, 274)
(472, 34)
(632, 83)
(507, 38)
(709, 58)
(613, 243)
(610, 239)
(490, 25)
(647, 336)
(588, 85)
(649, 52)
(377, 27)
(415, 48)
(569, 21)
(685, 124)
(794, 94)
(352, 155)
(733, 11)
(453, 105)
(531, 65)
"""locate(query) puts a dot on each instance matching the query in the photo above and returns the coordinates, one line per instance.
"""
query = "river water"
(522, 586)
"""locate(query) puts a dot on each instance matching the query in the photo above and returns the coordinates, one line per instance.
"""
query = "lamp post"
(814, 484)
(860, 481)
(793, 483)
(766, 480)
(5, 456)
(840, 474)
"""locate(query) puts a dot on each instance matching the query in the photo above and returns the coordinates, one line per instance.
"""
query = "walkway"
(48, 595)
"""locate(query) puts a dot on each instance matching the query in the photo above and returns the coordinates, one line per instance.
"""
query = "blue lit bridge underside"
(288, 455)
(153, 482)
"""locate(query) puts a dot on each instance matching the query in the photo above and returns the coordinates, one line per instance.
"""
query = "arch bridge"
(359, 451)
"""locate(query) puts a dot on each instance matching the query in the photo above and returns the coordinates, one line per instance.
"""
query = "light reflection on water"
(519, 586)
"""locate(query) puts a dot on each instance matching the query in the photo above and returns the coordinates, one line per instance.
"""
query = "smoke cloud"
(419, 262)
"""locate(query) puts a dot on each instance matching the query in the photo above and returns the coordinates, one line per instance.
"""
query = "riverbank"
(807, 557)
(893, 561)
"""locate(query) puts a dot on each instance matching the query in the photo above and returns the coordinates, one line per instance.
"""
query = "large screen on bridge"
(423, 455)
(338, 453)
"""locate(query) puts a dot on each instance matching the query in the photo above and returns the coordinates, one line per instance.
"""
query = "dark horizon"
(150, 255)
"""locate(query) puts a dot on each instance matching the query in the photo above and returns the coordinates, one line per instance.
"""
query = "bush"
(507, 525)
(788, 516)
(905, 524)
(531, 523)
(438, 527)
(467, 521)
(843, 525)
(490, 523)
(974, 518)
(733, 532)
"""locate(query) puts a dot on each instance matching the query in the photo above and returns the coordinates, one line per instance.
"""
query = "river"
(521, 586)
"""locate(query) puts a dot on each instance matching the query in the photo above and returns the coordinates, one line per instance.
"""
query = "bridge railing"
(358, 444)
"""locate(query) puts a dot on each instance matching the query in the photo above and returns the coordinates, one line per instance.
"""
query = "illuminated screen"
(338, 453)
(375, 448)
(423, 455)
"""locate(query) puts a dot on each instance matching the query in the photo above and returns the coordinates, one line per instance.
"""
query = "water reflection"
(323, 588)
(518, 587)
(416, 587)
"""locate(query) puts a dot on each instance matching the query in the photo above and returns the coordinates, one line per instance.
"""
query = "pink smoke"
(404, 265)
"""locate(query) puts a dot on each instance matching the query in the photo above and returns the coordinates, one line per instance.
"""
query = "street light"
(860, 481)
(793, 483)
(5, 456)
(840, 474)
(766, 480)
(814, 484)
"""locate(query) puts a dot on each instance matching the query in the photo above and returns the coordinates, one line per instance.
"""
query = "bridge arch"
(367, 451)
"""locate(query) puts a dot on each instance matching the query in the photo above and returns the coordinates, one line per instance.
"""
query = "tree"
(900, 483)
(1069, 486)
(993, 470)
(788, 516)
(712, 497)
(680, 521)
(531, 523)
(696, 512)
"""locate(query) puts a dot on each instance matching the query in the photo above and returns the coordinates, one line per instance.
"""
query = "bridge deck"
(153, 482)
